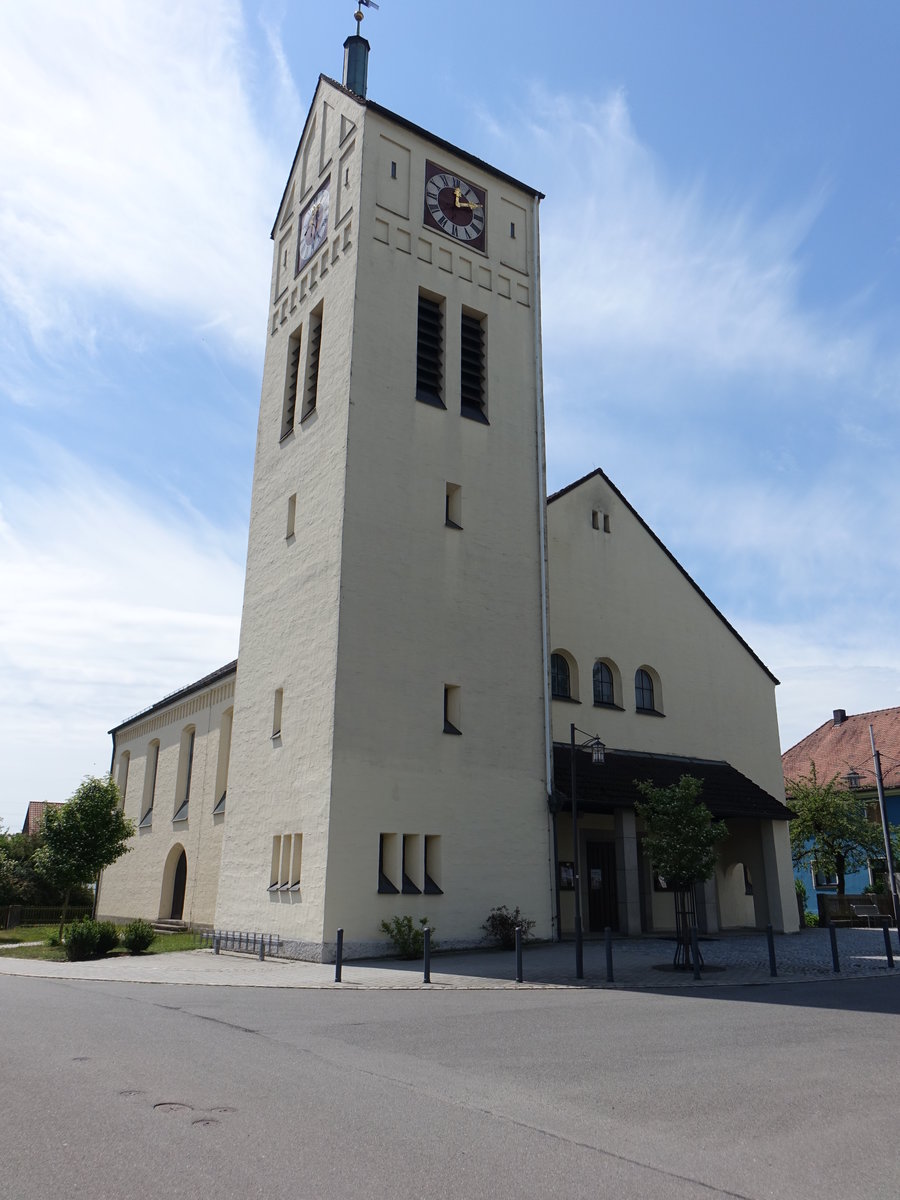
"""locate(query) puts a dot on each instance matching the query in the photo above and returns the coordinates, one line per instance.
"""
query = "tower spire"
(356, 54)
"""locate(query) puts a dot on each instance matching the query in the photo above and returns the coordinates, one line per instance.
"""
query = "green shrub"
(138, 936)
(812, 920)
(800, 888)
(107, 938)
(501, 926)
(408, 939)
(81, 940)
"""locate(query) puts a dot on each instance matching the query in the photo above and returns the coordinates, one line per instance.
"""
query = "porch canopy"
(603, 788)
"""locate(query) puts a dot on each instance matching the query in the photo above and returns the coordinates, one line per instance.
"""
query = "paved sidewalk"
(637, 963)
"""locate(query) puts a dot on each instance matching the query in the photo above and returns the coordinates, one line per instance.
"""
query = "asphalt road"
(133, 1091)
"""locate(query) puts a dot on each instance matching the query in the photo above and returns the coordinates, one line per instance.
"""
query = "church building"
(421, 630)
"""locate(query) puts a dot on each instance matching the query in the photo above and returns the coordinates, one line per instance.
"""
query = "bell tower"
(391, 740)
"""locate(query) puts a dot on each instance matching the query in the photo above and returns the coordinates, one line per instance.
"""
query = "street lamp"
(598, 757)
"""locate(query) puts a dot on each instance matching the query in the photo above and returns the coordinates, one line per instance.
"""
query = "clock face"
(314, 225)
(454, 206)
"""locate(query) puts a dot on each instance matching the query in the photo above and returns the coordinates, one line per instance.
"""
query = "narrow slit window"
(451, 709)
(409, 886)
(471, 368)
(393, 170)
(296, 857)
(312, 366)
(512, 229)
(386, 845)
(453, 506)
(276, 864)
(150, 785)
(433, 872)
(595, 519)
(430, 352)
(284, 872)
(276, 713)
(291, 515)
(290, 386)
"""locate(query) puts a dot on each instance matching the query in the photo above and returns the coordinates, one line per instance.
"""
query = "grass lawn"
(164, 943)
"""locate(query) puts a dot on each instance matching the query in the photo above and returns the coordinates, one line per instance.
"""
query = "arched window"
(560, 685)
(643, 691)
(604, 692)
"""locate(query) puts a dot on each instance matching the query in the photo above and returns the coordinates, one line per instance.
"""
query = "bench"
(866, 912)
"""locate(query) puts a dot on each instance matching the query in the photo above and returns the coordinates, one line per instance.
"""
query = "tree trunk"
(65, 910)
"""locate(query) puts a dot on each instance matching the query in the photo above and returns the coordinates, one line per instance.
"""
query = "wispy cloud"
(636, 262)
(105, 605)
(141, 180)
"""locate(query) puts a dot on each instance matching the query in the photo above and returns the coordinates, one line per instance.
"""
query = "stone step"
(167, 925)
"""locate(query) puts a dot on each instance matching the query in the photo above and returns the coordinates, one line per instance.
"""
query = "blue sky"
(720, 241)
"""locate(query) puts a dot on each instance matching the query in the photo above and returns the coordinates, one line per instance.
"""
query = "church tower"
(390, 743)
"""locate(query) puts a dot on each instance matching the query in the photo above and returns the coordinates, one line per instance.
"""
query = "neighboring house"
(842, 747)
(394, 743)
(34, 818)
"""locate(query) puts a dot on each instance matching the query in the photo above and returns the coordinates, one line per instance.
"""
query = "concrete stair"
(170, 926)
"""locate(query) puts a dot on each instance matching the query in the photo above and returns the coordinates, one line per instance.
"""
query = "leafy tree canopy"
(831, 829)
(681, 834)
(84, 835)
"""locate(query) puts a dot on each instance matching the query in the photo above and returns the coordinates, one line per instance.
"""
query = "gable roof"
(842, 745)
(598, 473)
(396, 119)
(37, 810)
(207, 681)
(604, 787)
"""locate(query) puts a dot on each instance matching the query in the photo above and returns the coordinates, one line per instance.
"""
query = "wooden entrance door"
(603, 900)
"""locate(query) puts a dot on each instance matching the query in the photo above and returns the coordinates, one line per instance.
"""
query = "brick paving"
(729, 960)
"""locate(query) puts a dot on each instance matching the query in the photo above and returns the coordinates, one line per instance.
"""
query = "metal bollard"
(518, 954)
(770, 938)
(338, 956)
(695, 952)
(216, 943)
(427, 954)
(832, 933)
(262, 948)
(887, 945)
(607, 933)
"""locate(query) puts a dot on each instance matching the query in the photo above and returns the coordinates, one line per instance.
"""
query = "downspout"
(542, 537)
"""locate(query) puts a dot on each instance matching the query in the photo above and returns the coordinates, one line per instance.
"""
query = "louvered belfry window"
(471, 368)
(290, 395)
(430, 352)
(312, 369)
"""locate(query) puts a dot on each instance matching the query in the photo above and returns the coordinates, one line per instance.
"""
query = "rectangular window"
(291, 515)
(430, 352)
(451, 709)
(471, 368)
(190, 765)
(388, 852)
(284, 872)
(312, 366)
(453, 506)
(290, 386)
(276, 713)
(433, 865)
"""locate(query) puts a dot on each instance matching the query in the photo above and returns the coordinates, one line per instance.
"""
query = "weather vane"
(359, 14)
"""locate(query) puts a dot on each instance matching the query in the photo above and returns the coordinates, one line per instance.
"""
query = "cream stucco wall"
(617, 596)
(374, 605)
(138, 884)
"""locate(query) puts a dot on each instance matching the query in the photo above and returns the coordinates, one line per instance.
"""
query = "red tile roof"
(34, 818)
(838, 749)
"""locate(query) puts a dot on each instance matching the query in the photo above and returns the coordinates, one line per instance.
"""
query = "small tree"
(831, 830)
(88, 833)
(681, 838)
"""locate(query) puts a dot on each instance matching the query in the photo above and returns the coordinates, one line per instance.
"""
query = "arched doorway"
(174, 883)
(178, 886)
